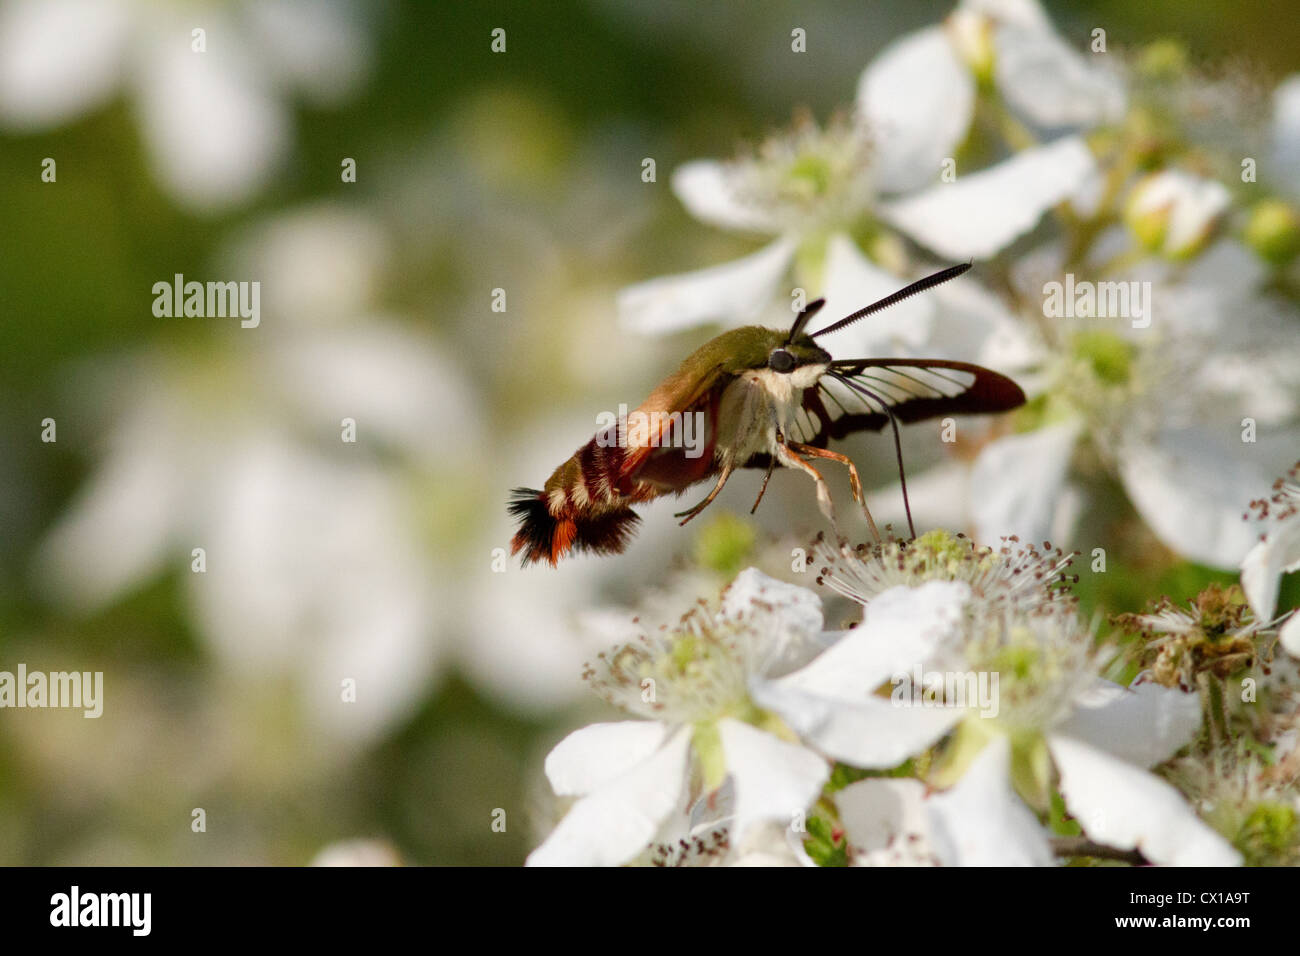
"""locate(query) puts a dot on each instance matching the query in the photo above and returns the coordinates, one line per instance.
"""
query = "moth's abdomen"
(585, 506)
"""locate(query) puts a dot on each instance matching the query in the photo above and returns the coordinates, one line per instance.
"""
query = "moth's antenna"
(920, 285)
(801, 320)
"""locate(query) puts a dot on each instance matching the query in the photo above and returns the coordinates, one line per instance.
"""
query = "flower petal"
(800, 608)
(1144, 724)
(58, 58)
(1189, 485)
(871, 732)
(1016, 483)
(916, 99)
(214, 126)
(982, 213)
(899, 629)
(733, 293)
(591, 757)
(884, 814)
(321, 48)
(768, 845)
(1286, 132)
(1123, 806)
(616, 822)
(1266, 562)
(1025, 13)
(395, 379)
(707, 189)
(1290, 634)
(774, 780)
(116, 533)
(1050, 83)
(981, 821)
(970, 322)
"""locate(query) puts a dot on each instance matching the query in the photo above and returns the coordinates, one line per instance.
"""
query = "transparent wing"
(861, 394)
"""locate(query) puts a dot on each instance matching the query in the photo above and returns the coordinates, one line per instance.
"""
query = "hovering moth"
(764, 397)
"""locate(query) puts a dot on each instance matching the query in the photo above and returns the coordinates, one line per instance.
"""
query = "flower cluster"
(965, 720)
(974, 715)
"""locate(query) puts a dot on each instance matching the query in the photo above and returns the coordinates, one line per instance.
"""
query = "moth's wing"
(859, 394)
(672, 445)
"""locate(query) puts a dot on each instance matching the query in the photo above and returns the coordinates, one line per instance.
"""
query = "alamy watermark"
(212, 300)
(1098, 300)
(957, 689)
(50, 689)
(75, 908)
(640, 429)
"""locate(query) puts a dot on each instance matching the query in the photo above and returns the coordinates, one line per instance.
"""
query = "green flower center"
(725, 545)
(1108, 356)
(809, 176)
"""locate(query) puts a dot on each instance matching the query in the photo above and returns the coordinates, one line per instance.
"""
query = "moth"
(760, 398)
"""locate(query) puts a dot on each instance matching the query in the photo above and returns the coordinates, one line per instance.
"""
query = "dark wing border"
(859, 394)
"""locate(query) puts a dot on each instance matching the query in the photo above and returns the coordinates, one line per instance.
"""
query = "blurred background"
(328, 565)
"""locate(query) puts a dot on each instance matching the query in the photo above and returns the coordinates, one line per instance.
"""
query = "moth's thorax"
(756, 404)
(786, 387)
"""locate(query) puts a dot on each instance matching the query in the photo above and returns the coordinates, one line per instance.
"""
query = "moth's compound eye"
(780, 361)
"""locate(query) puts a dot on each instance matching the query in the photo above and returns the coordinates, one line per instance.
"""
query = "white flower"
(1047, 81)
(313, 569)
(215, 123)
(884, 822)
(632, 778)
(703, 837)
(977, 822)
(914, 107)
(1014, 576)
(1161, 405)
(1051, 710)
(1277, 554)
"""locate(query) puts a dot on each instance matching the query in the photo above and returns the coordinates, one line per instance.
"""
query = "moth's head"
(787, 355)
(753, 348)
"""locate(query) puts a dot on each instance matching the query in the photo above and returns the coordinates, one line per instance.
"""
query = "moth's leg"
(771, 466)
(791, 460)
(722, 480)
(855, 480)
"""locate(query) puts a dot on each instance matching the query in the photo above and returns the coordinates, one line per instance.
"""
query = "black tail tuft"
(607, 533)
(544, 537)
(536, 525)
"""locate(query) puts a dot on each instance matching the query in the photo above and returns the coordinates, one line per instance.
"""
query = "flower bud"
(1175, 213)
(1273, 231)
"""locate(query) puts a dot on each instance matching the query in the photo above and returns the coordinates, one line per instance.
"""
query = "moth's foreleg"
(722, 480)
(771, 466)
(855, 480)
(791, 460)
